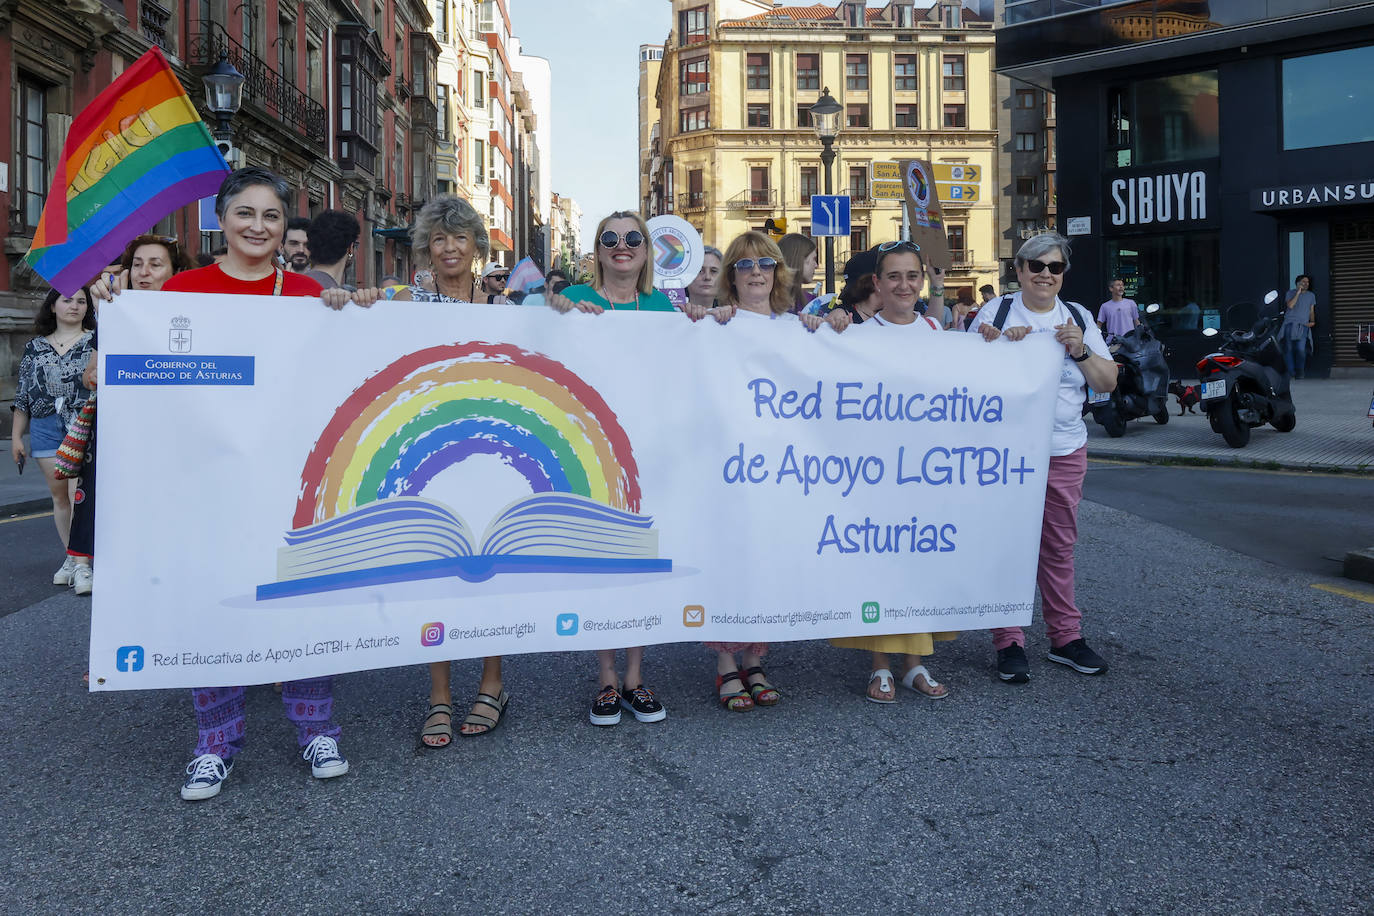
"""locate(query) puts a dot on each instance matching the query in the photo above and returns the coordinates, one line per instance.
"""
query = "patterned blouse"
(49, 382)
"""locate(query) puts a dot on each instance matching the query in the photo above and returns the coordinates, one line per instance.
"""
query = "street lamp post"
(224, 98)
(825, 117)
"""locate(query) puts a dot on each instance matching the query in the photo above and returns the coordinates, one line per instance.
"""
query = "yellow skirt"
(897, 643)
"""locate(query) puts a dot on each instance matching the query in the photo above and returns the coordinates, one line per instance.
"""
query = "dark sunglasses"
(1056, 267)
(901, 245)
(611, 239)
(765, 264)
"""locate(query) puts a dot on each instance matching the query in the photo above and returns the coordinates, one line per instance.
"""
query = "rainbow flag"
(136, 153)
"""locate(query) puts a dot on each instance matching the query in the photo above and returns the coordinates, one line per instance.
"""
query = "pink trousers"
(1058, 534)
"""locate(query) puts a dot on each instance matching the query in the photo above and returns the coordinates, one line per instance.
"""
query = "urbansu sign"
(1180, 198)
(1323, 194)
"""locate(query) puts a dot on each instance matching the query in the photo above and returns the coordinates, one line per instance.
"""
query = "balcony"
(961, 257)
(152, 22)
(424, 113)
(754, 199)
(264, 89)
(691, 201)
(859, 199)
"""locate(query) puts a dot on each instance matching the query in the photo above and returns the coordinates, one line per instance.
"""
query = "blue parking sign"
(829, 215)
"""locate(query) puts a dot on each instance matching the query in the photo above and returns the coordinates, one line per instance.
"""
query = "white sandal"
(909, 682)
(884, 679)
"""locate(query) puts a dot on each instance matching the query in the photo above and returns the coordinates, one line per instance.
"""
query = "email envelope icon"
(693, 615)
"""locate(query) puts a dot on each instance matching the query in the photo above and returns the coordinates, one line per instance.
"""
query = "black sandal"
(761, 694)
(737, 701)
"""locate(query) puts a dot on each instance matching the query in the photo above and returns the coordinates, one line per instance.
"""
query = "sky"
(593, 50)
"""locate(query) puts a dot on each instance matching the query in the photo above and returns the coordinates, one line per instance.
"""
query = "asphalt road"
(1222, 765)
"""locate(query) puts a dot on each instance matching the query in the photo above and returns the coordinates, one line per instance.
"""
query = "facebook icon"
(129, 658)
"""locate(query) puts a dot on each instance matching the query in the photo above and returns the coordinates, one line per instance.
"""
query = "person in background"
(701, 292)
(252, 205)
(555, 281)
(799, 253)
(1037, 309)
(295, 250)
(494, 279)
(1299, 317)
(1118, 315)
(986, 293)
(899, 275)
(859, 298)
(333, 242)
(963, 308)
(49, 395)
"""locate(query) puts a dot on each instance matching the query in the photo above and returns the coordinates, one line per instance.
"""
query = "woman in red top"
(252, 206)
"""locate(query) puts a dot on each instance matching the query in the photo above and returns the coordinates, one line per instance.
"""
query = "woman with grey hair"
(452, 238)
(1037, 309)
(701, 292)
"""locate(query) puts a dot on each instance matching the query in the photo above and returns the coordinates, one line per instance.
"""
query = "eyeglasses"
(899, 245)
(612, 239)
(1056, 267)
(764, 264)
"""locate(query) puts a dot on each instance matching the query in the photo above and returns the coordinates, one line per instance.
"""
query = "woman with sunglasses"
(899, 275)
(622, 279)
(1037, 309)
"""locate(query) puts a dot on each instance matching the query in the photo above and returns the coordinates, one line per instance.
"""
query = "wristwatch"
(1084, 358)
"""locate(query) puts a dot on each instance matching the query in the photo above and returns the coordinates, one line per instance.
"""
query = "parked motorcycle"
(1364, 345)
(1244, 385)
(1142, 380)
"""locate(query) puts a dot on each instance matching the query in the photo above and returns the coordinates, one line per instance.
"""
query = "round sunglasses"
(611, 239)
(766, 265)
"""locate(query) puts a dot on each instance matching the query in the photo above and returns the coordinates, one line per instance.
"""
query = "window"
(759, 193)
(1169, 119)
(696, 188)
(903, 19)
(905, 116)
(314, 63)
(1025, 187)
(810, 183)
(955, 116)
(1315, 115)
(30, 128)
(691, 119)
(856, 72)
(756, 71)
(854, 14)
(693, 25)
(856, 116)
(955, 236)
(286, 50)
(694, 77)
(1161, 265)
(758, 115)
(441, 100)
(808, 71)
(359, 119)
(479, 160)
(249, 24)
(858, 181)
(858, 239)
(1025, 98)
(479, 89)
(953, 69)
(441, 19)
(1025, 143)
(904, 71)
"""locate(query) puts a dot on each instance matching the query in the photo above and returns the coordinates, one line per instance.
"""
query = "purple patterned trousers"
(220, 722)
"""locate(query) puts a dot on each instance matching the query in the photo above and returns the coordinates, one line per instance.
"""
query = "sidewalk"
(1333, 433)
(21, 494)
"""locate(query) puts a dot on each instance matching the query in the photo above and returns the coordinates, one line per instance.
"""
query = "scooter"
(1364, 346)
(1142, 381)
(1244, 384)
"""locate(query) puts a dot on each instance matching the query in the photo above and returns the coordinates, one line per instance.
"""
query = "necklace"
(64, 344)
(605, 294)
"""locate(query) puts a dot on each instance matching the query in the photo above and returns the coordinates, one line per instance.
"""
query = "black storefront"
(1207, 160)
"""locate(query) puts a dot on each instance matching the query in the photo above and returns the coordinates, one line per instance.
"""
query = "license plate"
(1214, 389)
(1098, 397)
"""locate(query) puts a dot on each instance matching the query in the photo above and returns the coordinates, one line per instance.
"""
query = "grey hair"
(715, 251)
(451, 214)
(1039, 245)
(239, 181)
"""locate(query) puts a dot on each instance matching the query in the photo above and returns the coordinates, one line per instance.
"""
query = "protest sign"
(289, 491)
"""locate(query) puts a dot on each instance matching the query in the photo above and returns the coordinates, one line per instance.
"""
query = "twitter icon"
(566, 624)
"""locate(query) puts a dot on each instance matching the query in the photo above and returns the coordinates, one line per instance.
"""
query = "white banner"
(289, 492)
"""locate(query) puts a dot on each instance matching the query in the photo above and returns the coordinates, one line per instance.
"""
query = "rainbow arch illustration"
(434, 408)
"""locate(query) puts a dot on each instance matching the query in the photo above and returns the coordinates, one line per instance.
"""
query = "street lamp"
(223, 95)
(825, 117)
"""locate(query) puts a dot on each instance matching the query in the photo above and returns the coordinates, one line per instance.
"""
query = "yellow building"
(735, 146)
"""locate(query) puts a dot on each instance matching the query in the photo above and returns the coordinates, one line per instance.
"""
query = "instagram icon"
(432, 634)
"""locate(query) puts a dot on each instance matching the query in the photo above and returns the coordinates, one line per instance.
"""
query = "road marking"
(1358, 594)
(25, 518)
(1165, 464)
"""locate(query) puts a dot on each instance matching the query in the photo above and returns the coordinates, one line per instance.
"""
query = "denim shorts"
(45, 435)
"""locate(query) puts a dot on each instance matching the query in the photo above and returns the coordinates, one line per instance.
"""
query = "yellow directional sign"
(952, 193)
(961, 174)
(886, 171)
(886, 190)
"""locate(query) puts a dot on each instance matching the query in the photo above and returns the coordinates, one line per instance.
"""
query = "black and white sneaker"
(1079, 657)
(642, 702)
(606, 707)
(1012, 665)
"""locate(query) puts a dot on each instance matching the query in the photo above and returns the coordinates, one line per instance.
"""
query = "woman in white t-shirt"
(900, 273)
(1037, 309)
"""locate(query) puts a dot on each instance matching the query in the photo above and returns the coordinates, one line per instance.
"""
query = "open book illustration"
(405, 538)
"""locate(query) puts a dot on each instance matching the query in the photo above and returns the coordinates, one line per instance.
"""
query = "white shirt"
(1070, 432)
(922, 323)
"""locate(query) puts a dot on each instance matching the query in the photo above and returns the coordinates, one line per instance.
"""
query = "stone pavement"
(1333, 433)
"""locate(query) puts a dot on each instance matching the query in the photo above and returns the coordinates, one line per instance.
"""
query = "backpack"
(1004, 309)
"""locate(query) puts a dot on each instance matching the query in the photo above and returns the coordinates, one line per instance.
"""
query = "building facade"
(735, 146)
(1219, 150)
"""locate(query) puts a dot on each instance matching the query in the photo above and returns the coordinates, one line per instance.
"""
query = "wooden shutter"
(1352, 287)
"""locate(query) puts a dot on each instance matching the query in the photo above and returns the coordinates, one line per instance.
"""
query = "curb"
(25, 507)
(1237, 463)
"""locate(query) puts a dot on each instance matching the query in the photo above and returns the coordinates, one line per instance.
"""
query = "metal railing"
(752, 199)
(152, 22)
(691, 200)
(263, 87)
(961, 257)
